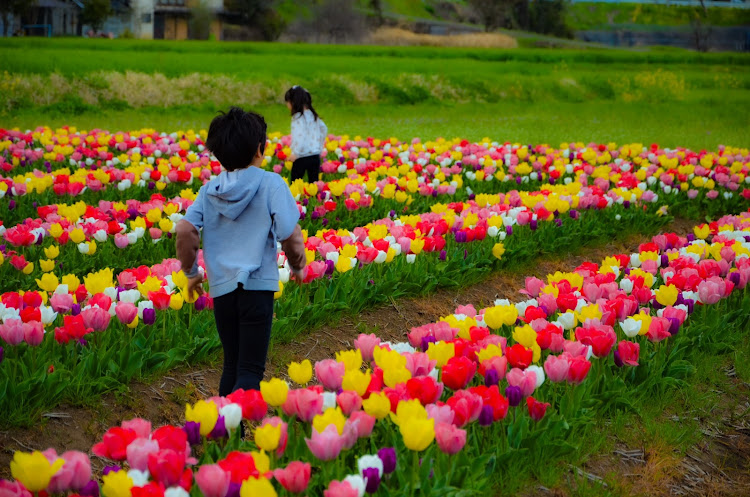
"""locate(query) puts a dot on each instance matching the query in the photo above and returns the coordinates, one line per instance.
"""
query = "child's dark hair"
(235, 137)
(299, 98)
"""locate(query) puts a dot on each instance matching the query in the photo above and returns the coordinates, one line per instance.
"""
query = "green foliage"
(95, 12)
(585, 16)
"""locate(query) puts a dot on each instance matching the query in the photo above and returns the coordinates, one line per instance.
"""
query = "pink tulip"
(533, 286)
(576, 348)
(498, 363)
(659, 329)
(549, 302)
(330, 373)
(33, 333)
(12, 331)
(525, 380)
(710, 291)
(304, 403)
(592, 292)
(61, 302)
(138, 451)
(97, 318)
(127, 280)
(650, 266)
(126, 312)
(363, 422)
(121, 241)
(556, 368)
(325, 446)
(349, 402)
(467, 310)
(340, 489)
(419, 364)
(295, 477)
(351, 435)
(212, 480)
(673, 312)
(366, 344)
(141, 427)
(13, 489)
(449, 438)
(74, 475)
(441, 414)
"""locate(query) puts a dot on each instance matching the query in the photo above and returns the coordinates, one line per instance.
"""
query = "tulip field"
(92, 298)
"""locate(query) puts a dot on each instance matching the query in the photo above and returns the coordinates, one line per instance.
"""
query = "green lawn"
(676, 98)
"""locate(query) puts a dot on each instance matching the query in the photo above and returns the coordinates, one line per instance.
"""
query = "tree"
(15, 8)
(701, 27)
(259, 14)
(377, 7)
(491, 12)
(200, 20)
(95, 12)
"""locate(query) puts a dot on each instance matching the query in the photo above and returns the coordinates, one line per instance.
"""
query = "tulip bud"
(514, 395)
(149, 316)
(193, 431)
(388, 456)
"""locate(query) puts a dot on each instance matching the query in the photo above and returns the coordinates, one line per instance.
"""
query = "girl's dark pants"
(309, 164)
(243, 320)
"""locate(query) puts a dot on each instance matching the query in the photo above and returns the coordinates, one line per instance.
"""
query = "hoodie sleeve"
(323, 134)
(188, 237)
(285, 215)
(194, 214)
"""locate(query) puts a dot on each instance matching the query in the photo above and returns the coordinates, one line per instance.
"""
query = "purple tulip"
(509, 230)
(626, 271)
(234, 490)
(82, 342)
(573, 214)
(443, 255)
(305, 201)
(151, 185)
(371, 282)
(75, 309)
(91, 489)
(388, 456)
(200, 303)
(11, 205)
(690, 237)
(460, 237)
(149, 315)
(34, 204)
(392, 213)
(518, 180)
(193, 432)
(664, 260)
(220, 429)
(169, 234)
(372, 477)
(426, 341)
(491, 377)
(618, 359)
(315, 215)
(466, 254)
(533, 224)
(472, 196)
(486, 417)
(514, 395)
(110, 469)
(132, 214)
(674, 326)
(626, 204)
(434, 193)
(734, 278)
(656, 305)
(330, 266)
(558, 222)
(324, 222)
(2, 354)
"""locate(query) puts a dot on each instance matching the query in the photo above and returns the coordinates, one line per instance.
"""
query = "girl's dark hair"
(299, 98)
(234, 137)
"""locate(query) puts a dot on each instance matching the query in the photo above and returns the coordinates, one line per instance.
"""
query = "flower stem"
(415, 472)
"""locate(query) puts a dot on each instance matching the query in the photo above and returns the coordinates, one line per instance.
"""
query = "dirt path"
(163, 400)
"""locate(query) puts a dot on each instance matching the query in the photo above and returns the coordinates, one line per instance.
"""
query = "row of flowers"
(432, 414)
(97, 297)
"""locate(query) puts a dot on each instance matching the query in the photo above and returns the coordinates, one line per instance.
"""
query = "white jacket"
(308, 134)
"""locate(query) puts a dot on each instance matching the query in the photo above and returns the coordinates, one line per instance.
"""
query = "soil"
(162, 400)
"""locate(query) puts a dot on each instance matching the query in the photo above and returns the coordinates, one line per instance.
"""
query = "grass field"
(530, 95)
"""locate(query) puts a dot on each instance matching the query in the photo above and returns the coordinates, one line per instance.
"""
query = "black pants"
(309, 164)
(243, 319)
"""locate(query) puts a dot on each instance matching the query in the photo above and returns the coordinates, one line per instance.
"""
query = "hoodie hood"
(232, 191)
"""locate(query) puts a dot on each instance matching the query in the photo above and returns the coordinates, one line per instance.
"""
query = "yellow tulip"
(77, 235)
(525, 335)
(666, 295)
(267, 437)
(257, 487)
(262, 461)
(702, 232)
(394, 376)
(331, 416)
(277, 295)
(33, 470)
(489, 352)
(48, 283)
(418, 434)
(152, 284)
(441, 352)
(176, 301)
(352, 359)
(98, 281)
(203, 412)
(28, 269)
(56, 230)
(498, 250)
(133, 323)
(377, 405)
(72, 281)
(344, 264)
(496, 317)
(356, 381)
(117, 484)
(301, 372)
(46, 265)
(274, 391)
(52, 251)
(407, 410)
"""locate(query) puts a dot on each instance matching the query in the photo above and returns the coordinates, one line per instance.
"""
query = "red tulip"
(240, 466)
(519, 356)
(627, 352)
(536, 409)
(466, 407)
(167, 466)
(458, 372)
(114, 443)
(254, 408)
(424, 388)
(579, 368)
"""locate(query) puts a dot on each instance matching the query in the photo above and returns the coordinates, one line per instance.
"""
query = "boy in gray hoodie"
(242, 214)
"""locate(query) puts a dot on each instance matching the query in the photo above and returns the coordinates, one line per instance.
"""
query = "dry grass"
(403, 37)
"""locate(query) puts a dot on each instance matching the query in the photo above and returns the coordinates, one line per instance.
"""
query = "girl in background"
(308, 134)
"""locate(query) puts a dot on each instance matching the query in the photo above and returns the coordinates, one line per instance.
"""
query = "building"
(145, 19)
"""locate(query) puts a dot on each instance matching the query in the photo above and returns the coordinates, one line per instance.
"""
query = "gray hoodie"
(242, 214)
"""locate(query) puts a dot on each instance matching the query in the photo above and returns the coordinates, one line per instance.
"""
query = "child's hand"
(195, 285)
(292, 158)
(299, 275)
